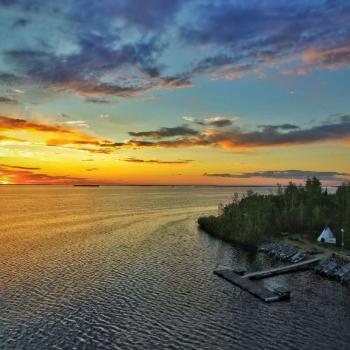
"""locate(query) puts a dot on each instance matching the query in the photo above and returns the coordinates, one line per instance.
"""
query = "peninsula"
(294, 209)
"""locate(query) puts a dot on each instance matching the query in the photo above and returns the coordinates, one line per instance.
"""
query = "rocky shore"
(333, 265)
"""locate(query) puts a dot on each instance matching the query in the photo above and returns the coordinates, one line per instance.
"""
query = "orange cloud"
(237, 139)
(7, 123)
(233, 139)
(63, 135)
(331, 58)
(18, 167)
(10, 175)
(4, 138)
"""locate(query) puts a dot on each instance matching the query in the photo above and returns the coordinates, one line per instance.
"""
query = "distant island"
(294, 209)
(86, 185)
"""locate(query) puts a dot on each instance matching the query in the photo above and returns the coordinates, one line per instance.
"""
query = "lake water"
(127, 268)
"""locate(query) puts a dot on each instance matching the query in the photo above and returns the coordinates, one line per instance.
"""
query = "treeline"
(294, 209)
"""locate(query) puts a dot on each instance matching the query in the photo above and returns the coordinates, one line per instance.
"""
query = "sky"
(192, 92)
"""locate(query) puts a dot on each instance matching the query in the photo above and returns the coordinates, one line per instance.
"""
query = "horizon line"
(156, 185)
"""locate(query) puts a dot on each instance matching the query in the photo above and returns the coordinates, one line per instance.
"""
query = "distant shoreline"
(149, 185)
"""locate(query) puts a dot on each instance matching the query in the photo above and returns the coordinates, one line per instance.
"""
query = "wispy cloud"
(17, 175)
(18, 167)
(98, 100)
(155, 161)
(165, 132)
(92, 169)
(321, 58)
(77, 123)
(7, 123)
(50, 134)
(284, 174)
(215, 120)
(8, 100)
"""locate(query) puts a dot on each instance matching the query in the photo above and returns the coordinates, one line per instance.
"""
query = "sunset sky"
(174, 92)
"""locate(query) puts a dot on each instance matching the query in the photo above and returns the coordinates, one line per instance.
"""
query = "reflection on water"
(126, 268)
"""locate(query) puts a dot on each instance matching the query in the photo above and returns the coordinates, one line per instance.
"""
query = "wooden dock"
(249, 286)
(304, 265)
(245, 282)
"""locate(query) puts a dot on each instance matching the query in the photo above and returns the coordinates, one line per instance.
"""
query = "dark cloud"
(176, 82)
(21, 22)
(285, 174)
(154, 161)
(81, 72)
(217, 121)
(101, 50)
(97, 100)
(8, 100)
(165, 132)
(220, 123)
(338, 131)
(117, 48)
(247, 35)
(10, 79)
(176, 143)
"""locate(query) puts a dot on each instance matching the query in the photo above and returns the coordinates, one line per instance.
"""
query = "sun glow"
(4, 180)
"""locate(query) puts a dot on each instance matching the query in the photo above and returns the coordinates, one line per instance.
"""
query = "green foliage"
(293, 209)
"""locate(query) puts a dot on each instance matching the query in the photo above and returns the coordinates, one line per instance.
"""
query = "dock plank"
(247, 285)
(282, 269)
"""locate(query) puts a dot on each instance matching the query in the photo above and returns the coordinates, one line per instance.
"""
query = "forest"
(292, 209)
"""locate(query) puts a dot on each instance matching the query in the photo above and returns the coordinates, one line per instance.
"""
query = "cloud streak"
(215, 121)
(165, 132)
(51, 134)
(18, 167)
(284, 174)
(155, 161)
(7, 123)
(15, 175)
(8, 100)
(236, 139)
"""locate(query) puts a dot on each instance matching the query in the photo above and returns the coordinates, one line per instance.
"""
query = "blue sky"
(107, 69)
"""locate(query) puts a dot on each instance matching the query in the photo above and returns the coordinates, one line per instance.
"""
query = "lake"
(127, 268)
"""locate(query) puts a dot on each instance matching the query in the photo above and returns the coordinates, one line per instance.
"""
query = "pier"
(282, 269)
(249, 286)
(245, 281)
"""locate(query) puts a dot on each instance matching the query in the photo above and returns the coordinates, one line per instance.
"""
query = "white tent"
(327, 236)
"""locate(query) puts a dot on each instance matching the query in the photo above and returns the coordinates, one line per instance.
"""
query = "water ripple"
(127, 269)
